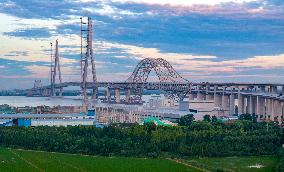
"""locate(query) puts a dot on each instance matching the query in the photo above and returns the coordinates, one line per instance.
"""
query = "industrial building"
(47, 119)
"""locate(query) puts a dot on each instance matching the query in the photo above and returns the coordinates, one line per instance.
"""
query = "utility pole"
(89, 55)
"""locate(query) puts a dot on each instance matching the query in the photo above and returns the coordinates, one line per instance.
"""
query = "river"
(21, 101)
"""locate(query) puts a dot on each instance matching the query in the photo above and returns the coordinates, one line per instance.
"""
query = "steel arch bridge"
(164, 71)
(162, 68)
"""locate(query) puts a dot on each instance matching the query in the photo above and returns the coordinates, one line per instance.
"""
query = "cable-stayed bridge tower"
(54, 69)
(88, 55)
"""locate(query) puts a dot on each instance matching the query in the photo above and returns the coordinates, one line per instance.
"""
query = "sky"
(204, 40)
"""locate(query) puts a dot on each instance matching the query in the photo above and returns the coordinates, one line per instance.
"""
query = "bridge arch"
(162, 68)
(165, 73)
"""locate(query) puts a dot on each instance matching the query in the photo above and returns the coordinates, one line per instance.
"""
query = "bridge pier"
(218, 100)
(95, 93)
(277, 110)
(240, 103)
(107, 95)
(273, 109)
(262, 88)
(190, 96)
(247, 101)
(60, 92)
(260, 106)
(253, 104)
(232, 104)
(273, 89)
(225, 102)
(117, 95)
(127, 95)
(208, 96)
(267, 106)
(200, 96)
(249, 104)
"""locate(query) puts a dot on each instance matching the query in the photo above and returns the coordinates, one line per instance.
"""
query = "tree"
(150, 126)
(207, 118)
(186, 120)
(248, 117)
(200, 138)
(214, 119)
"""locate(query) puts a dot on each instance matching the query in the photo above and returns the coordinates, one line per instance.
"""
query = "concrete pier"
(117, 95)
(273, 89)
(218, 100)
(260, 106)
(240, 104)
(127, 95)
(209, 97)
(225, 102)
(251, 104)
(107, 94)
(191, 96)
(232, 104)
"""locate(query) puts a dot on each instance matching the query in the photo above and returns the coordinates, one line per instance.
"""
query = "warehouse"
(47, 119)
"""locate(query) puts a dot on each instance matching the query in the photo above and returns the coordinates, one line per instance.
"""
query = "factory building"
(47, 119)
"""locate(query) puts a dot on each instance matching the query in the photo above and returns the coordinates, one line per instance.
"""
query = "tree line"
(190, 138)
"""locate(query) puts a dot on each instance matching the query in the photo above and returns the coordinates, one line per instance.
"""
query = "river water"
(20, 101)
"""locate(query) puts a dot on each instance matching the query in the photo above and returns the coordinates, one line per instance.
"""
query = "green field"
(12, 160)
(238, 164)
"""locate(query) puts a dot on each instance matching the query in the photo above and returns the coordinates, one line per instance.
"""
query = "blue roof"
(20, 115)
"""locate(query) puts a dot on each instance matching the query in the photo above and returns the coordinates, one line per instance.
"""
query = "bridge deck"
(185, 87)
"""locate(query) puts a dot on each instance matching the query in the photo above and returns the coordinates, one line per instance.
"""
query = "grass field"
(12, 160)
(21, 161)
(238, 164)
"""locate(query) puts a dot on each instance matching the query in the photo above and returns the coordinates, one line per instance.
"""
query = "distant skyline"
(205, 40)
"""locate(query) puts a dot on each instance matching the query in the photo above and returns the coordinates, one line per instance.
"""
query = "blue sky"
(205, 40)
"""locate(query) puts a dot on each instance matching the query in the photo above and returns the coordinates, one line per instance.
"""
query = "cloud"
(38, 71)
(11, 68)
(17, 53)
(33, 33)
(185, 2)
(37, 57)
(111, 11)
(224, 8)
(141, 52)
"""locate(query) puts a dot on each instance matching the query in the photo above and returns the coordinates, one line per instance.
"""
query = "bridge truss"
(162, 68)
(165, 73)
